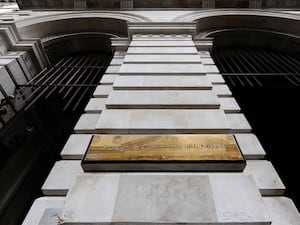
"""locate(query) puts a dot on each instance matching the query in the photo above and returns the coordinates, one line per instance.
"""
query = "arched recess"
(74, 22)
(208, 20)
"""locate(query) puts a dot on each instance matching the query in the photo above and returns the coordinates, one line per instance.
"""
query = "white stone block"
(162, 50)
(162, 83)
(207, 61)
(162, 99)
(87, 123)
(76, 146)
(116, 61)
(95, 105)
(265, 177)
(161, 43)
(250, 146)
(215, 78)
(211, 69)
(62, 177)
(229, 105)
(38, 208)
(112, 69)
(222, 90)
(282, 211)
(164, 199)
(204, 54)
(162, 69)
(238, 123)
(163, 121)
(162, 58)
(108, 79)
(102, 91)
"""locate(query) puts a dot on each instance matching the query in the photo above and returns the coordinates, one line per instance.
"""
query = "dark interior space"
(266, 85)
(31, 142)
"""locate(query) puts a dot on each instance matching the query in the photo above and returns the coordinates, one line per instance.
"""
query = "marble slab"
(222, 90)
(38, 208)
(238, 123)
(61, 177)
(95, 105)
(108, 79)
(229, 105)
(265, 177)
(162, 99)
(282, 211)
(158, 43)
(162, 83)
(163, 69)
(76, 146)
(261, 171)
(162, 121)
(162, 50)
(164, 199)
(102, 91)
(87, 123)
(162, 58)
(250, 146)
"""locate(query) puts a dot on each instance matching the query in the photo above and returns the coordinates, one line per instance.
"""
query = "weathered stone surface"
(39, 206)
(116, 61)
(207, 61)
(163, 69)
(265, 177)
(238, 123)
(211, 69)
(87, 123)
(76, 146)
(162, 82)
(215, 78)
(166, 99)
(162, 58)
(50, 216)
(61, 177)
(162, 50)
(282, 211)
(134, 198)
(95, 105)
(112, 69)
(102, 91)
(250, 146)
(163, 121)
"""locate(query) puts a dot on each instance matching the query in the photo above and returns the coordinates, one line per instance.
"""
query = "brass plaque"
(163, 148)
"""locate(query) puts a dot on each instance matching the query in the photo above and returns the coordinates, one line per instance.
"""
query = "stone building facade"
(161, 80)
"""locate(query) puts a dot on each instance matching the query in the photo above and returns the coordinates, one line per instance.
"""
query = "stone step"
(112, 69)
(238, 123)
(77, 145)
(137, 121)
(95, 105)
(64, 173)
(162, 50)
(211, 69)
(166, 199)
(161, 43)
(250, 146)
(215, 78)
(166, 99)
(163, 69)
(229, 105)
(102, 91)
(207, 61)
(282, 211)
(108, 79)
(222, 90)
(38, 208)
(87, 123)
(162, 59)
(162, 83)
